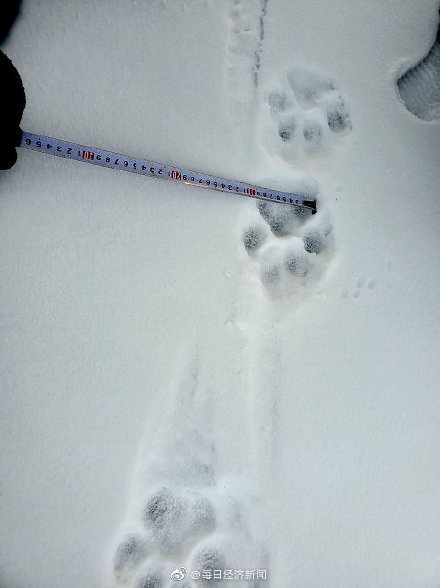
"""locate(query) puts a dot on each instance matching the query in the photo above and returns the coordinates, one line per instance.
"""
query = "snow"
(146, 352)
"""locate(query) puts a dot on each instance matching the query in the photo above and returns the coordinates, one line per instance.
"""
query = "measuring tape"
(145, 167)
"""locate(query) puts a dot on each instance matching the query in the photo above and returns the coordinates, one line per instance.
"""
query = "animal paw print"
(182, 527)
(181, 516)
(305, 114)
(360, 284)
(173, 522)
(287, 246)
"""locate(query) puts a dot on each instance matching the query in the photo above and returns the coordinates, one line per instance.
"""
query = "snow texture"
(194, 381)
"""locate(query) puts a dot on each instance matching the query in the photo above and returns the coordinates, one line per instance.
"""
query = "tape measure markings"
(145, 167)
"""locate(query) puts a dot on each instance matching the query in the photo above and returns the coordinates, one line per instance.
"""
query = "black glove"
(12, 97)
(13, 101)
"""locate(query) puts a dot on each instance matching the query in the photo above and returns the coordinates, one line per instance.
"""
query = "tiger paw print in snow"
(303, 115)
(288, 247)
(184, 519)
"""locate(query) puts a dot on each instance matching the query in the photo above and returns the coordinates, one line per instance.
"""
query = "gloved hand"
(13, 101)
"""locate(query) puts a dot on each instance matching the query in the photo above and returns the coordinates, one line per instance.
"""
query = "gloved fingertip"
(8, 157)
(18, 137)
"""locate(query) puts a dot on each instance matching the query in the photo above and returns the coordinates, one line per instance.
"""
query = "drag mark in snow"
(260, 41)
(245, 47)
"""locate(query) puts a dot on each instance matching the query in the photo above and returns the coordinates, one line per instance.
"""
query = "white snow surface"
(295, 423)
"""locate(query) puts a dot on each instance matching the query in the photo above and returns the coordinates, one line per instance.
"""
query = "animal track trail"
(181, 514)
(288, 248)
(245, 46)
(361, 283)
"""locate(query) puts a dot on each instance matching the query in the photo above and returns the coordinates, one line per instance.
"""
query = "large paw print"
(304, 115)
(289, 249)
(180, 527)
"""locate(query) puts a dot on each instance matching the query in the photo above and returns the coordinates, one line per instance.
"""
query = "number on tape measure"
(142, 166)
